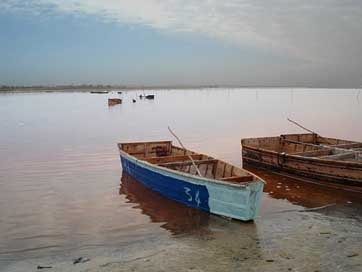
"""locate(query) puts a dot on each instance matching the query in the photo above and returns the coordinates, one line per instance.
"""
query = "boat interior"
(309, 145)
(166, 155)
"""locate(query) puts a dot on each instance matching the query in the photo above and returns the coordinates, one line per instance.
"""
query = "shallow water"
(60, 193)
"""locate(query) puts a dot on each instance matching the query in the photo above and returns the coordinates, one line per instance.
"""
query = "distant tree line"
(58, 87)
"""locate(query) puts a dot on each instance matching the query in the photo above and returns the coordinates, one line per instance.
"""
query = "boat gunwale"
(141, 142)
(179, 173)
(299, 157)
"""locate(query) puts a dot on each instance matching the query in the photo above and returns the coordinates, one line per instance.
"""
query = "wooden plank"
(223, 172)
(349, 145)
(166, 159)
(238, 178)
(207, 168)
(341, 156)
(316, 153)
(152, 142)
(182, 163)
(336, 148)
(337, 171)
(301, 143)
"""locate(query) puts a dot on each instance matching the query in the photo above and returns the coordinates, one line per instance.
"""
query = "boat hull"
(323, 170)
(238, 202)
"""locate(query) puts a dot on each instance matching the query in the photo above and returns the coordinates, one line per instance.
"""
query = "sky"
(301, 43)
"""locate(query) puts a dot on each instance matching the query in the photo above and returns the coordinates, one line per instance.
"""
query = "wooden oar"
(179, 141)
(299, 125)
(306, 129)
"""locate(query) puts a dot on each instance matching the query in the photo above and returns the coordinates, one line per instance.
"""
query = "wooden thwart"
(167, 159)
(238, 178)
(328, 147)
(186, 163)
(314, 153)
(348, 146)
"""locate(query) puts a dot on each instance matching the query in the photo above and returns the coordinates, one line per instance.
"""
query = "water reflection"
(177, 218)
(310, 195)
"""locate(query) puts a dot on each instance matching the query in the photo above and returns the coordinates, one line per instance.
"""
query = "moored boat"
(309, 155)
(213, 185)
(114, 101)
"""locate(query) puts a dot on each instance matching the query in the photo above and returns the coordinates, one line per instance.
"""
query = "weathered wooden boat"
(308, 155)
(114, 101)
(221, 189)
(148, 96)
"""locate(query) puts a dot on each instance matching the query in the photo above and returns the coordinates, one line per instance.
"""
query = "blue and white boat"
(193, 179)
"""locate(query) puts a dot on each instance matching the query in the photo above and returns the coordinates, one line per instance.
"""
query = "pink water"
(59, 167)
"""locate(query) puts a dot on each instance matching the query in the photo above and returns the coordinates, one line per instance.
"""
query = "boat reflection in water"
(177, 218)
(309, 194)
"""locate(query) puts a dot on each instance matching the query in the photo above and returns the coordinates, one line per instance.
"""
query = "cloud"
(323, 32)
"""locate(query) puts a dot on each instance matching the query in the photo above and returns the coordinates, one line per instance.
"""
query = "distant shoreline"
(88, 88)
(110, 88)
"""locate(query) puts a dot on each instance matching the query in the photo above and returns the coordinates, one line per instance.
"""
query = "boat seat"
(167, 159)
(315, 153)
(186, 163)
(239, 179)
(351, 155)
(348, 145)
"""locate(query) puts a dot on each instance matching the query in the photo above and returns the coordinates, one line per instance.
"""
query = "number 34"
(188, 192)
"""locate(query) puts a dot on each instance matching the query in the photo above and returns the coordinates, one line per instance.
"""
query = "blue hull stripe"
(192, 195)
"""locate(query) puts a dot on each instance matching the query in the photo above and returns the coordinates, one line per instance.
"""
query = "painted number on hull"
(188, 192)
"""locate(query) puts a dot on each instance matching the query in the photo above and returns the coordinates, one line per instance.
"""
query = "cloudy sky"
(182, 42)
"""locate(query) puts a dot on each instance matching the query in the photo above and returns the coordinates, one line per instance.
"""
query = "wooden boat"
(114, 101)
(148, 96)
(221, 189)
(309, 155)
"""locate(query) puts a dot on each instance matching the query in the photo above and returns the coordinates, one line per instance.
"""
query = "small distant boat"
(148, 96)
(222, 188)
(309, 155)
(114, 101)
(99, 92)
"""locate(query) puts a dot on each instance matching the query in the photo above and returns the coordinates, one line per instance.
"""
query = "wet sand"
(298, 242)
(292, 241)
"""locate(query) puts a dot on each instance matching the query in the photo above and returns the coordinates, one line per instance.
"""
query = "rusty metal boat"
(308, 155)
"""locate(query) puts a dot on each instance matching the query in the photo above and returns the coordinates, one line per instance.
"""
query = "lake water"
(60, 176)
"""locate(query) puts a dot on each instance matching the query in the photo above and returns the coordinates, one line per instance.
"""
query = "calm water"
(60, 178)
